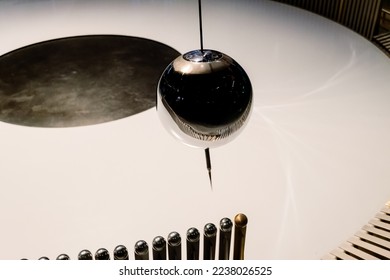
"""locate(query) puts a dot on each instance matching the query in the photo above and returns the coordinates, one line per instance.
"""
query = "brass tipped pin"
(208, 164)
(240, 223)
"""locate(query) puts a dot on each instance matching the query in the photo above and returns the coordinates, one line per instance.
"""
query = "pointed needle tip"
(211, 181)
(208, 164)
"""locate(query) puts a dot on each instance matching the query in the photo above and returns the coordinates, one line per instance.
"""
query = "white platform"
(311, 167)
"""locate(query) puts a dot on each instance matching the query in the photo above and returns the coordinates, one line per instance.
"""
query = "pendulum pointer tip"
(208, 164)
(211, 181)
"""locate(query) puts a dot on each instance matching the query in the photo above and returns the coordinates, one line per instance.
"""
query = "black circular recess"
(83, 80)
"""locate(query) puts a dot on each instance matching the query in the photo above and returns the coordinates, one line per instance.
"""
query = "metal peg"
(174, 246)
(141, 250)
(193, 237)
(240, 223)
(209, 242)
(225, 236)
(121, 253)
(159, 248)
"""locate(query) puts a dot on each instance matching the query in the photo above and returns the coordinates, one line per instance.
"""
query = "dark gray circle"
(83, 80)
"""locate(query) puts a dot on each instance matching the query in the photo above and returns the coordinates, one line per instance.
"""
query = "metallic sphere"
(174, 239)
(210, 230)
(121, 253)
(85, 255)
(141, 250)
(159, 248)
(102, 254)
(141, 247)
(159, 243)
(63, 257)
(204, 98)
(193, 235)
(241, 220)
(226, 224)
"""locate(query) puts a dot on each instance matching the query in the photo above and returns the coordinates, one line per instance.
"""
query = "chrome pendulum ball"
(204, 98)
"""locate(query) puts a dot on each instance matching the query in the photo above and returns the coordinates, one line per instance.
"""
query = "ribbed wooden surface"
(383, 41)
(371, 242)
(326, 8)
(358, 15)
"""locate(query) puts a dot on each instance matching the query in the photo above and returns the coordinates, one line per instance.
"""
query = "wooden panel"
(326, 8)
(369, 247)
(383, 217)
(372, 242)
(386, 209)
(377, 231)
(373, 239)
(329, 257)
(359, 15)
(359, 253)
(383, 42)
(380, 224)
(340, 253)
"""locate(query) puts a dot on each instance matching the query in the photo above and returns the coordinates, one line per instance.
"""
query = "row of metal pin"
(173, 244)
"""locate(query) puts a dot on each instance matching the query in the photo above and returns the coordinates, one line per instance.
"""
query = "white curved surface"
(311, 167)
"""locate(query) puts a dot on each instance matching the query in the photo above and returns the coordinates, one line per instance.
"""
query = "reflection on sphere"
(204, 98)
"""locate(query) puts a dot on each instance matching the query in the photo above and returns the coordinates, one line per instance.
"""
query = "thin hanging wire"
(207, 150)
(200, 25)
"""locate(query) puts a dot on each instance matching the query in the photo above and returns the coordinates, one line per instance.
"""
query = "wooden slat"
(375, 14)
(373, 239)
(372, 242)
(386, 209)
(378, 231)
(326, 8)
(380, 224)
(383, 36)
(369, 247)
(359, 253)
(359, 15)
(329, 257)
(364, 19)
(339, 253)
(383, 216)
(383, 42)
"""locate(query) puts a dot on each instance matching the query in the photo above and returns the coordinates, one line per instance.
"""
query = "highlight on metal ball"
(121, 253)
(102, 254)
(85, 255)
(204, 98)
(63, 257)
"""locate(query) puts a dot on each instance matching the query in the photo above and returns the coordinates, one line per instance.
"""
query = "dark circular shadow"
(83, 80)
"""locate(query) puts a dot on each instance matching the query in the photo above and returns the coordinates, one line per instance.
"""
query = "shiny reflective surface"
(85, 255)
(309, 169)
(102, 254)
(63, 257)
(121, 253)
(141, 250)
(159, 248)
(204, 98)
(226, 225)
(193, 235)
